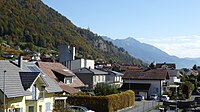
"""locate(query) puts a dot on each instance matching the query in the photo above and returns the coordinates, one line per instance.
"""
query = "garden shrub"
(103, 89)
(107, 103)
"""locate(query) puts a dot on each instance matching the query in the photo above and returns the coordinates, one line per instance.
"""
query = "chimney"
(73, 53)
(20, 61)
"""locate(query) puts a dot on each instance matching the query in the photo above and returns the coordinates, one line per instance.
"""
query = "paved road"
(142, 106)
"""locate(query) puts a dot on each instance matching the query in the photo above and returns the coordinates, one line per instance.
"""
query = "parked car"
(164, 98)
(79, 109)
(154, 97)
(139, 97)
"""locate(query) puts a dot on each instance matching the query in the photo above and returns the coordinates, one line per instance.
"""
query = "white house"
(145, 82)
(90, 76)
(114, 78)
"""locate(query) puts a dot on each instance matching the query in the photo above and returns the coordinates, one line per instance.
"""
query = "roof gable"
(28, 78)
(51, 86)
(13, 82)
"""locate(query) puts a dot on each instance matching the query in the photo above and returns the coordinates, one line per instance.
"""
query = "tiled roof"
(48, 68)
(68, 88)
(89, 70)
(28, 78)
(173, 73)
(52, 86)
(129, 67)
(152, 74)
(13, 85)
(64, 72)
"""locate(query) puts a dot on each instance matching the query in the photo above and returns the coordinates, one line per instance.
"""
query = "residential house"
(114, 78)
(91, 76)
(192, 72)
(174, 76)
(174, 80)
(145, 82)
(65, 78)
(27, 89)
(166, 65)
(14, 91)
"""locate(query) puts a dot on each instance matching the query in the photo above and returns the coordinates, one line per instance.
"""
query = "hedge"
(108, 103)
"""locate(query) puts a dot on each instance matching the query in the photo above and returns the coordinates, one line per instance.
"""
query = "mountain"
(149, 53)
(32, 25)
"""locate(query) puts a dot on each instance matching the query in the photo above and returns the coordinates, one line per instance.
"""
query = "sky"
(171, 25)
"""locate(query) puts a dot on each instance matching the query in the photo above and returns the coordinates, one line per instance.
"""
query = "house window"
(21, 109)
(48, 107)
(33, 92)
(94, 78)
(40, 108)
(118, 78)
(41, 93)
(99, 78)
(31, 109)
(68, 80)
(103, 78)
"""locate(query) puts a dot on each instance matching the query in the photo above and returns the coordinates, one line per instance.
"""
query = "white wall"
(89, 63)
(98, 79)
(154, 88)
(80, 63)
(113, 78)
(173, 80)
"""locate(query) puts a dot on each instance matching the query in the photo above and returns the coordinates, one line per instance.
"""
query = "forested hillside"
(30, 24)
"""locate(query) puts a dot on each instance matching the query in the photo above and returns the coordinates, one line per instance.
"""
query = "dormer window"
(68, 80)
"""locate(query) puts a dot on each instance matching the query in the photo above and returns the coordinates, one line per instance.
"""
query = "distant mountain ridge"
(149, 53)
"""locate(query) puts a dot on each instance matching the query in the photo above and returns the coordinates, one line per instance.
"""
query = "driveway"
(142, 106)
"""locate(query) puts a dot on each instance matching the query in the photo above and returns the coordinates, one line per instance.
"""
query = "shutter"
(33, 92)
(21, 109)
(48, 107)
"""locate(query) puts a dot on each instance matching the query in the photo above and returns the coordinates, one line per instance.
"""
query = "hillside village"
(32, 85)
(48, 64)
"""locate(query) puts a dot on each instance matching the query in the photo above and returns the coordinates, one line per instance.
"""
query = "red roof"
(49, 68)
(152, 74)
(129, 67)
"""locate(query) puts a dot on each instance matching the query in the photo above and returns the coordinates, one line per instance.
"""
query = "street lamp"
(4, 95)
(129, 85)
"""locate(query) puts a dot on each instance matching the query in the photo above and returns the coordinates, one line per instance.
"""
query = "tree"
(103, 89)
(152, 65)
(194, 67)
(187, 88)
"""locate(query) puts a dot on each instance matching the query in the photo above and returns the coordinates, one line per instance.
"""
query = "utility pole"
(4, 95)
(129, 84)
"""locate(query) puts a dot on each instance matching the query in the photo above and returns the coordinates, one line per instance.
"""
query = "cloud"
(181, 46)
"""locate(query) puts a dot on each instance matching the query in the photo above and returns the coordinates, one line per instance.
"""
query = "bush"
(108, 103)
(103, 89)
(59, 106)
(187, 88)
